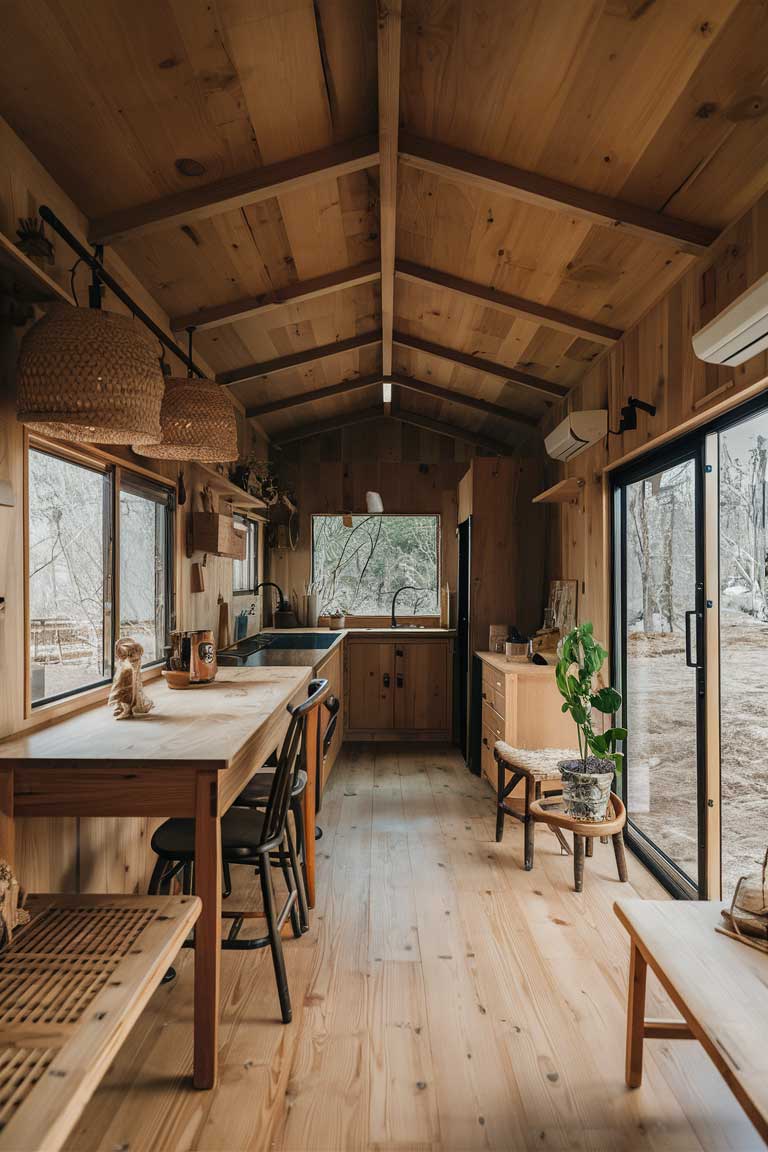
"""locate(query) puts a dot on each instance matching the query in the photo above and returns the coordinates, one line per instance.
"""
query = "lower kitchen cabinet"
(398, 689)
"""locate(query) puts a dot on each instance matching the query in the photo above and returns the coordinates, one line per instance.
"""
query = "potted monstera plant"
(587, 781)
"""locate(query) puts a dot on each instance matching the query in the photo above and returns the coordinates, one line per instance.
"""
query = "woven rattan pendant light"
(197, 422)
(91, 376)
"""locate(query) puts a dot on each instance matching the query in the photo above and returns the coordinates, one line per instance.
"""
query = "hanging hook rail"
(100, 273)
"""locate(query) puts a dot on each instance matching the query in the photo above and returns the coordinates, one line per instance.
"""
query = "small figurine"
(12, 912)
(127, 697)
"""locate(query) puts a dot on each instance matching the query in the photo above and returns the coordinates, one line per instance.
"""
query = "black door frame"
(689, 448)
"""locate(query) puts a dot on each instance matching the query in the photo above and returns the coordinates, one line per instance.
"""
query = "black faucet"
(283, 606)
(405, 587)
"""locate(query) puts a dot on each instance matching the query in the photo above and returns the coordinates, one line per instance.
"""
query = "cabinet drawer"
(487, 762)
(493, 724)
(492, 679)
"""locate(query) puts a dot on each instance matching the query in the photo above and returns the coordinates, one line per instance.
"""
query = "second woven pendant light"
(197, 422)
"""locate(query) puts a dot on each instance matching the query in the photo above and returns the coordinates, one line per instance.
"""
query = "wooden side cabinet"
(398, 689)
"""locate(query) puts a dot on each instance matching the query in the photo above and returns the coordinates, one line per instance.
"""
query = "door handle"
(399, 681)
(386, 679)
(688, 653)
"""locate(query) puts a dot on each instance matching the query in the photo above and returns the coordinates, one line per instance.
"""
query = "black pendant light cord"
(101, 276)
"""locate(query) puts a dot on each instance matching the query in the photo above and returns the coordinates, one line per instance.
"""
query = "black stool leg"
(578, 862)
(275, 941)
(528, 825)
(500, 802)
(299, 879)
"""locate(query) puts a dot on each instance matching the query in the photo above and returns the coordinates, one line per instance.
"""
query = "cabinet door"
(421, 693)
(371, 685)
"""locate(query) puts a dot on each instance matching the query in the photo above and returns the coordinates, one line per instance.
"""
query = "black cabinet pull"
(386, 679)
(399, 681)
(399, 652)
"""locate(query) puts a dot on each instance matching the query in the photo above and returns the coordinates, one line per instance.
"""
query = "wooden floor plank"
(443, 999)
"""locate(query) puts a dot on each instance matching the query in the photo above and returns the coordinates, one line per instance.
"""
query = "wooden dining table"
(190, 756)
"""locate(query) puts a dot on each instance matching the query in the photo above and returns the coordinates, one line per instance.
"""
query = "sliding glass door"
(660, 638)
(740, 454)
(690, 614)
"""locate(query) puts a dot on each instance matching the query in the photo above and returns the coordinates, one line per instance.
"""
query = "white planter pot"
(586, 794)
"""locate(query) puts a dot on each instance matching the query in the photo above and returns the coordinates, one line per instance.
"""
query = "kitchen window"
(245, 572)
(359, 562)
(99, 565)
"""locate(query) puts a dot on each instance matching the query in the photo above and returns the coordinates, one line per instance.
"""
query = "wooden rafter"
(389, 19)
(296, 293)
(452, 397)
(236, 191)
(442, 159)
(489, 367)
(354, 384)
(510, 304)
(455, 432)
(341, 420)
(298, 359)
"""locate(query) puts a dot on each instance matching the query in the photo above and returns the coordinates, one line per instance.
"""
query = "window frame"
(427, 619)
(113, 468)
(252, 529)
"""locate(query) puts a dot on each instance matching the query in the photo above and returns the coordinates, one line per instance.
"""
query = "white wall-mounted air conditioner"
(739, 332)
(579, 431)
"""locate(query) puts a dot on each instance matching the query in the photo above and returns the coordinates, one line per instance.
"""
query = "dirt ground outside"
(661, 747)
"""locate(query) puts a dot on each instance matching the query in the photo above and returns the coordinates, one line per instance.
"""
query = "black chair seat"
(258, 787)
(241, 830)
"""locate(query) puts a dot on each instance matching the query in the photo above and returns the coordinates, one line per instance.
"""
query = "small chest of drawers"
(520, 703)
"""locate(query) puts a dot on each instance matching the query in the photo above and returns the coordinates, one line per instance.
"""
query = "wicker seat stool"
(538, 767)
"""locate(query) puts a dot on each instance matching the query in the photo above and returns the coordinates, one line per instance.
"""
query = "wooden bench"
(719, 986)
(72, 984)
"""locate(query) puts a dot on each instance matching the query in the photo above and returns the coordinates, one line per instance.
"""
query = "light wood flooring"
(443, 999)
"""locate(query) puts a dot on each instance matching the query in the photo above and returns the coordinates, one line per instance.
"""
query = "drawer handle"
(485, 697)
(386, 679)
(485, 741)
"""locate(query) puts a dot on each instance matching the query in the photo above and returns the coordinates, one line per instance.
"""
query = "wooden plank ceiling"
(511, 181)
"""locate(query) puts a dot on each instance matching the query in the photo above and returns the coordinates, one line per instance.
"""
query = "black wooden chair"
(257, 838)
(256, 795)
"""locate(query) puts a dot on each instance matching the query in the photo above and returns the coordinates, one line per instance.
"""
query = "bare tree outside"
(359, 568)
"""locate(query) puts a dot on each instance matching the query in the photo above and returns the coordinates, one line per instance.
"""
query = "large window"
(77, 607)
(145, 570)
(359, 562)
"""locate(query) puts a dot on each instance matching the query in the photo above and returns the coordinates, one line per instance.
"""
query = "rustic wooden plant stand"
(584, 832)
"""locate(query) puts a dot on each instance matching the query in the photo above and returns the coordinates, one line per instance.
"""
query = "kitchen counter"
(519, 663)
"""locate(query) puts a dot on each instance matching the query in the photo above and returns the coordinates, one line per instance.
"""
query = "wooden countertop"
(208, 727)
(521, 666)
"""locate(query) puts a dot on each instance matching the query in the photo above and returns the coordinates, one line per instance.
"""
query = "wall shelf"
(223, 487)
(29, 284)
(564, 492)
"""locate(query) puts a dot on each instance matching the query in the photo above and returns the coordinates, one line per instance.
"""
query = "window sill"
(43, 714)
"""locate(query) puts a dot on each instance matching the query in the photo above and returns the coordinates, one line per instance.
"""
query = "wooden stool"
(538, 767)
(551, 813)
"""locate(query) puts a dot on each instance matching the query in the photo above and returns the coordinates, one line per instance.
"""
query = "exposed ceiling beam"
(442, 159)
(455, 432)
(512, 305)
(352, 385)
(236, 191)
(297, 359)
(389, 20)
(490, 367)
(341, 420)
(448, 394)
(297, 293)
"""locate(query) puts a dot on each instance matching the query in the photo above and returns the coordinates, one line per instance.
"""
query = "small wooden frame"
(74, 981)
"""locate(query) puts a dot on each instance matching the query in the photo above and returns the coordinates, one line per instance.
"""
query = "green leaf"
(607, 700)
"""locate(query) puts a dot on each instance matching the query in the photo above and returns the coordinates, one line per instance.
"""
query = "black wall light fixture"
(628, 421)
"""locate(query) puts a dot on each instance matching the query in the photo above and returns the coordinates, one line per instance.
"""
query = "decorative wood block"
(216, 533)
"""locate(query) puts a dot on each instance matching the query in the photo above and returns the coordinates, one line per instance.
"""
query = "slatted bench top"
(719, 985)
(72, 984)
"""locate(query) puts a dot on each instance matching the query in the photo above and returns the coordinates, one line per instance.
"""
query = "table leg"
(7, 822)
(207, 930)
(638, 970)
(308, 801)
